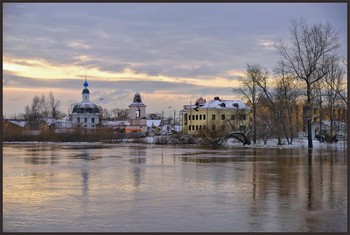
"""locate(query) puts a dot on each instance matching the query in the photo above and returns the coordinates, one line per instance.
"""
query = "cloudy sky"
(171, 53)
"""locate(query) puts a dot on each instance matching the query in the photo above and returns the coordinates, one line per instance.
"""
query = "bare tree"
(286, 92)
(42, 107)
(53, 105)
(214, 135)
(32, 113)
(310, 49)
(333, 90)
(252, 92)
(275, 111)
(105, 114)
(120, 114)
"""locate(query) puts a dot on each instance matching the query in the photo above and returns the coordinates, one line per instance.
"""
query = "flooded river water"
(90, 187)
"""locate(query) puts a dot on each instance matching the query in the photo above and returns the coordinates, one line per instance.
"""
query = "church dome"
(86, 107)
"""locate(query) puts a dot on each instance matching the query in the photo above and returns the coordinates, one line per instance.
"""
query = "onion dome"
(85, 90)
(86, 84)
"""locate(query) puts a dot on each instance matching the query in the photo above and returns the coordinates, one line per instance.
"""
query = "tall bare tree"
(286, 92)
(268, 106)
(53, 105)
(251, 91)
(310, 49)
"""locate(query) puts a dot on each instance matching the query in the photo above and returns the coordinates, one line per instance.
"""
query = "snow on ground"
(297, 143)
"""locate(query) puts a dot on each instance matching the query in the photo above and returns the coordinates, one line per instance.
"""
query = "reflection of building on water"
(137, 173)
(85, 174)
(138, 161)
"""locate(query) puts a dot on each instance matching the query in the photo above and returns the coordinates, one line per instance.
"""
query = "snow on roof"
(63, 123)
(220, 104)
(151, 123)
(115, 123)
(224, 104)
(19, 123)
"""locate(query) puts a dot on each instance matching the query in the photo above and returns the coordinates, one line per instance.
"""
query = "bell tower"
(137, 113)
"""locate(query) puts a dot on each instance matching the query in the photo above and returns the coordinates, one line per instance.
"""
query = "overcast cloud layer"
(171, 53)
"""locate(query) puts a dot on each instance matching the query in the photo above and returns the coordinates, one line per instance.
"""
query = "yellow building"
(217, 115)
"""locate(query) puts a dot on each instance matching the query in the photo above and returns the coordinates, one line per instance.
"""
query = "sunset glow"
(154, 49)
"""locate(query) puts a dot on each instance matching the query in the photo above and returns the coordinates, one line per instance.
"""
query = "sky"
(171, 53)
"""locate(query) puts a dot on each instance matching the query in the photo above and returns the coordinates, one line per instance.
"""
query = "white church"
(86, 114)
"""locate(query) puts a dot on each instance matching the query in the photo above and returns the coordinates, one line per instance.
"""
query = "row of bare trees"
(309, 70)
(42, 107)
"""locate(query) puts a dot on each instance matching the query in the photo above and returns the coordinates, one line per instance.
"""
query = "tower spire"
(86, 84)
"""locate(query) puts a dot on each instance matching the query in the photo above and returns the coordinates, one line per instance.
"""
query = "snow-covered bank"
(298, 143)
(272, 143)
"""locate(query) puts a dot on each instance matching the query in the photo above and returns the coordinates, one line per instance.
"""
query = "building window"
(200, 127)
(192, 117)
(197, 117)
(138, 113)
(92, 120)
(213, 117)
(196, 127)
(78, 119)
(200, 117)
(85, 119)
(203, 127)
(203, 116)
(189, 128)
(193, 127)
(223, 117)
(243, 117)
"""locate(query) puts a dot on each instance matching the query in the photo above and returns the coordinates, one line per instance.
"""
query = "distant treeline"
(76, 135)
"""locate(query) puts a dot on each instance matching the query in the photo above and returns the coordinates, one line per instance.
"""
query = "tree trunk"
(309, 116)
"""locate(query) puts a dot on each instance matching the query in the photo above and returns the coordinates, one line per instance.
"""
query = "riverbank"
(271, 143)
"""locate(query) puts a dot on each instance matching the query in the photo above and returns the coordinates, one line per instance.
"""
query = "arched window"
(138, 112)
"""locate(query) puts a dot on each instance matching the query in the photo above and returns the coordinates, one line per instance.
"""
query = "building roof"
(115, 123)
(152, 123)
(137, 100)
(224, 104)
(85, 107)
(219, 104)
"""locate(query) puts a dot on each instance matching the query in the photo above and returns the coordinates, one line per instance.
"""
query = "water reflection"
(41, 155)
(147, 188)
(85, 171)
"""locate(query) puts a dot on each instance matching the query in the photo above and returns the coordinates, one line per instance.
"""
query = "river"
(126, 187)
